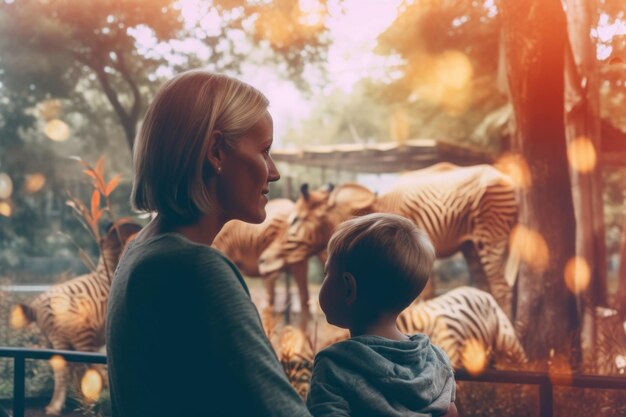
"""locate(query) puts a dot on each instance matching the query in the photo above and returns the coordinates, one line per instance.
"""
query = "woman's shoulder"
(171, 247)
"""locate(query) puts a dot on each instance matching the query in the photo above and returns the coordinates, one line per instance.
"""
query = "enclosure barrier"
(545, 382)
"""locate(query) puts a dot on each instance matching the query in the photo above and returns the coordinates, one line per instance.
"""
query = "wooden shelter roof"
(387, 157)
(383, 157)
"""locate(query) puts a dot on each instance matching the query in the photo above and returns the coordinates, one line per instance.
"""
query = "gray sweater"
(184, 339)
(369, 376)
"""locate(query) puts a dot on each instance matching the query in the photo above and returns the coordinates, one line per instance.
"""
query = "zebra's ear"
(304, 190)
(330, 187)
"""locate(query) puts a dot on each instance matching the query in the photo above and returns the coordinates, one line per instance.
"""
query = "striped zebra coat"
(243, 243)
(469, 209)
(465, 318)
(72, 315)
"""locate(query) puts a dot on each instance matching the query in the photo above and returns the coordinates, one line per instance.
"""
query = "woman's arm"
(235, 323)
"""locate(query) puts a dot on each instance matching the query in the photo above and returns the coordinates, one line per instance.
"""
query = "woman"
(183, 337)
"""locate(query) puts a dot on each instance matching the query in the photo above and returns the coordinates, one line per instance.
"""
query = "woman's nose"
(273, 174)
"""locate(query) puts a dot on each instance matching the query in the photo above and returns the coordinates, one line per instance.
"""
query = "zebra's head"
(315, 216)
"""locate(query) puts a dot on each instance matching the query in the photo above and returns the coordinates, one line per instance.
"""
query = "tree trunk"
(582, 115)
(620, 295)
(535, 40)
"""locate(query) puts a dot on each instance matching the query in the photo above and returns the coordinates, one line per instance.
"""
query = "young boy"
(377, 265)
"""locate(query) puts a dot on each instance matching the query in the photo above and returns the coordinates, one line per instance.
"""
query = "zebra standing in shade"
(461, 315)
(243, 244)
(71, 315)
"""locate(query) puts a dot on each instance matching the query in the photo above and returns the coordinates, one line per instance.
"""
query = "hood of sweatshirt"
(396, 377)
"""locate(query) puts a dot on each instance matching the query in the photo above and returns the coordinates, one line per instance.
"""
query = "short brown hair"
(169, 156)
(388, 255)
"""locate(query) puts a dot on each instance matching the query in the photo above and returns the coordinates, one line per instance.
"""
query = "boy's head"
(377, 264)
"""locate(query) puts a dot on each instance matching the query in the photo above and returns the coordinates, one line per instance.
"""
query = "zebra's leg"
(492, 260)
(61, 372)
(477, 273)
(270, 290)
(300, 273)
(87, 343)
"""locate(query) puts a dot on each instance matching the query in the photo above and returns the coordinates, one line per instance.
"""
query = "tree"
(448, 80)
(535, 41)
(68, 46)
(96, 64)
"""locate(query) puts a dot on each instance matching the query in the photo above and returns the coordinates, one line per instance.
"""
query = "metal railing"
(20, 355)
(545, 381)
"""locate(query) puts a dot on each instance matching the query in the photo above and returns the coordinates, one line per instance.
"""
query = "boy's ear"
(350, 287)
(215, 152)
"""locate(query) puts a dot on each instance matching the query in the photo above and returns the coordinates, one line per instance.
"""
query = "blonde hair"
(388, 255)
(170, 150)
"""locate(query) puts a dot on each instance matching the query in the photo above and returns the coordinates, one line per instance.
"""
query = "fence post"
(546, 406)
(18, 385)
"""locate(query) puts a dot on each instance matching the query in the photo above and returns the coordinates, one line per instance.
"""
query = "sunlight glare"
(34, 182)
(6, 186)
(474, 357)
(18, 318)
(577, 274)
(57, 130)
(531, 248)
(515, 166)
(91, 385)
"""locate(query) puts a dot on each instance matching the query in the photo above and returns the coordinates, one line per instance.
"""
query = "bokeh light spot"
(515, 166)
(34, 182)
(6, 186)
(57, 362)
(531, 248)
(18, 318)
(474, 357)
(91, 385)
(582, 155)
(57, 130)
(577, 274)
(5, 209)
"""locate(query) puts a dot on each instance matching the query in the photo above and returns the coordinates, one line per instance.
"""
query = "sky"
(350, 58)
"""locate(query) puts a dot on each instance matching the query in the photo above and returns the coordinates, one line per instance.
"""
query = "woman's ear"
(350, 287)
(215, 152)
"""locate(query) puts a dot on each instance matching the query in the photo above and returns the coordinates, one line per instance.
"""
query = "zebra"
(71, 315)
(243, 243)
(471, 209)
(461, 315)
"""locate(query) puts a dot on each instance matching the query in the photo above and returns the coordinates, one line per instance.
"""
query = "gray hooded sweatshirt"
(371, 376)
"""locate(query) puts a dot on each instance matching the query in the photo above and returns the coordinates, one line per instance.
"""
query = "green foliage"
(446, 87)
(95, 65)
